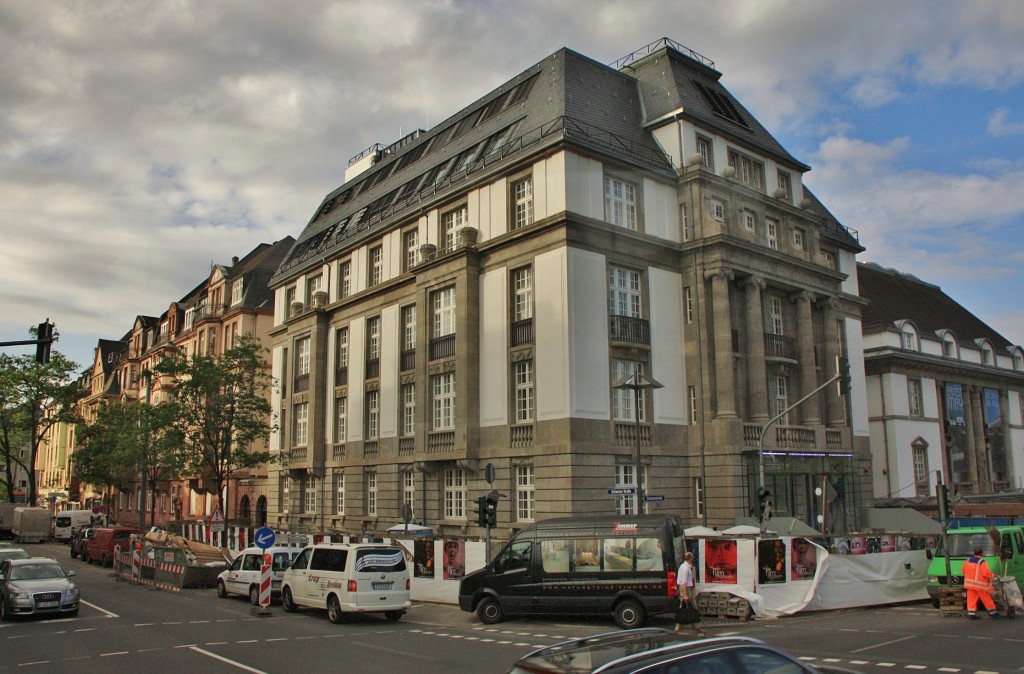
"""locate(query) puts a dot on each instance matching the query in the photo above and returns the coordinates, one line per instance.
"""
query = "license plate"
(383, 586)
(48, 604)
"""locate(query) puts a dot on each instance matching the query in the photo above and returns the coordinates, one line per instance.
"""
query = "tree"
(33, 397)
(219, 405)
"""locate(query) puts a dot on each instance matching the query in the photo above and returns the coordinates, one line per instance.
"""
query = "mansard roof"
(894, 296)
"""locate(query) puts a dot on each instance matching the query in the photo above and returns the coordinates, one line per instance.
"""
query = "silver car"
(36, 586)
(13, 553)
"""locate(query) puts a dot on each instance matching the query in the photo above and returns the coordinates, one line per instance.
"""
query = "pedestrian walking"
(687, 613)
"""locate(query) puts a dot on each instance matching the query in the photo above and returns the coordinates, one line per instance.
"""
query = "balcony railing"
(299, 453)
(338, 451)
(340, 376)
(521, 332)
(629, 329)
(625, 434)
(406, 446)
(371, 449)
(408, 360)
(833, 439)
(522, 435)
(441, 441)
(373, 368)
(798, 437)
(779, 346)
(442, 347)
(751, 434)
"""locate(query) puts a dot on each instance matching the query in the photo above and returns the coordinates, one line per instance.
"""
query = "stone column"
(976, 441)
(757, 383)
(725, 384)
(809, 412)
(836, 402)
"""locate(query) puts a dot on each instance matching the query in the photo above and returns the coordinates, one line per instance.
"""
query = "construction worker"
(977, 580)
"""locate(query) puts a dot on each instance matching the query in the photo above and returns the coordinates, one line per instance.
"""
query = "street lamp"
(637, 383)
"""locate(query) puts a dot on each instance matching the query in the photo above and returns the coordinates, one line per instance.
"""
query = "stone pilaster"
(725, 381)
(757, 386)
(809, 411)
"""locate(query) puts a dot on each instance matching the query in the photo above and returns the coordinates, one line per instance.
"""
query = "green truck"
(1004, 559)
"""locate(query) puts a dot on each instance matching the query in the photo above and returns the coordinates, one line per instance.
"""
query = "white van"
(68, 522)
(243, 576)
(349, 578)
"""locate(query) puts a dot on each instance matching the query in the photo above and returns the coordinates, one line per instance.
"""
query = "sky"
(142, 142)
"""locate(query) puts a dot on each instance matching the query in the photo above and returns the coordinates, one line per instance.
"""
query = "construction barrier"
(165, 570)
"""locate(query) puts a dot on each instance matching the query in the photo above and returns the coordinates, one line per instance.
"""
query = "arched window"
(1018, 359)
(950, 346)
(987, 354)
(908, 336)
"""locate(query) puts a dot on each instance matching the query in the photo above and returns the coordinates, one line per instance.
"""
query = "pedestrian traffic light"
(843, 370)
(491, 509)
(481, 511)
(44, 339)
(764, 504)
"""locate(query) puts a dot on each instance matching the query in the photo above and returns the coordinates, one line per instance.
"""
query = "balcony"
(406, 446)
(629, 329)
(371, 449)
(521, 332)
(408, 360)
(298, 454)
(521, 436)
(625, 434)
(338, 451)
(795, 437)
(442, 347)
(440, 441)
(779, 346)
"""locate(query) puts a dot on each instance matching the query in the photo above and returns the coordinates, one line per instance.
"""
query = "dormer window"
(950, 347)
(908, 336)
(987, 355)
(236, 292)
(1018, 359)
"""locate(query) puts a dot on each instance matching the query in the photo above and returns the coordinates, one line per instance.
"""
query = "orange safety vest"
(977, 575)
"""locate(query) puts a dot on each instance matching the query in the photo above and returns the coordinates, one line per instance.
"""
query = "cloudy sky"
(142, 141)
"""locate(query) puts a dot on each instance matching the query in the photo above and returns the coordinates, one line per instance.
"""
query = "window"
(771, 234)
(310, 491)
(444, 312)
(345, 279)
(684, 221)
(986, 353)
(704, 150)
(339, 493)
(619, 203)
(688, 304)
(522, 289)
(236, 292)
(451, 223)
(373, 338)
(302, 357)
(949, 346)
(340, 419)
(371, 493)
(190, 317)
(410, 244)
(454, 493)
(372, 414)
(376, 265)
(408, 409)
(717, 209)
(694, 409)
(749, 171)
(301, 425)
(290, 298)
(341, 354)
(522, 202)
(625, 478)
(908, 338)
(775, 322)
(623, 292)
(786, 185)
(698, 497)
(523, 377)
(798, 238)
(1018, 360)
(525, 501)
(409, 327)
(920, 450)
(314, 284)
(749, 221)
(829, 259)
(623, 400)
(781, 399)
(443, 396)
(914, 397)
(409, 491)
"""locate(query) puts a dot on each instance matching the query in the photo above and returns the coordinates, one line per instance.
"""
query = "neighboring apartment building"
(232, 301)
(471, 293)
(945, 392)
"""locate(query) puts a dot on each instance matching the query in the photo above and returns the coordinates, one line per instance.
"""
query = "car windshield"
(962, 545)
(39, 571)
(13, 553)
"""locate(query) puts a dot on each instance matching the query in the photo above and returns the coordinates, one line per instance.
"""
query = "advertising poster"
(803, 559)
(771, 561)
(423, 557)
(956, 432)
(720, 561)
(454, 559)
(994, 433)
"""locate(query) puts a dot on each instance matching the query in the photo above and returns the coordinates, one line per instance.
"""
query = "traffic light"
(764, 504)
(491, 509)
(843, 370)
(945, 507)
(44, 337)
(481, 511)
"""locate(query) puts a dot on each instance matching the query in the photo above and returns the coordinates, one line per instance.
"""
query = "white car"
(349, 578)
(243, 576)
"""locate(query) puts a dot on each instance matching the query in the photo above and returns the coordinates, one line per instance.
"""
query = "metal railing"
(629, 329)
(521, 332)
(779, 346)
(442, 347)
(408, 360)
(647, 50)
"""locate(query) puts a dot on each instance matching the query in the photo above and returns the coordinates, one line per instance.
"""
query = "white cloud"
(998, 126)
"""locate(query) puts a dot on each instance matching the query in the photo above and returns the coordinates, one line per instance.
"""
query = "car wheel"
(489, 611)
(630, 614)
(254, 595)
(222, 591)
(73, 553)
(334, 609)
(393, 616)
(287, 603)
(935, 602)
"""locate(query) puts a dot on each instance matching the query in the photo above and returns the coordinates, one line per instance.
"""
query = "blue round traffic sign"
(264, 537)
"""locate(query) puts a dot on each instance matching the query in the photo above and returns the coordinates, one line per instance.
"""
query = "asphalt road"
(126, 628)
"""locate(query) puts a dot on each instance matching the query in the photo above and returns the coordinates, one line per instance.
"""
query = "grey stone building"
(471, 294)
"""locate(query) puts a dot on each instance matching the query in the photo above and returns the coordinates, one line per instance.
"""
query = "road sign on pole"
(217, 520)
(264, 538)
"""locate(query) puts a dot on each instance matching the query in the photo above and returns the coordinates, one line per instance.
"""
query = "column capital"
(753, 282)
(829, 303)
(802, 296)
(721, 272)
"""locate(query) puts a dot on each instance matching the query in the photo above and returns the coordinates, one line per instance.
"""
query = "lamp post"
(637, 383)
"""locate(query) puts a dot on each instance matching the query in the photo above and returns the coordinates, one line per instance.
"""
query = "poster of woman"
(720, 561)
(803, 559)
(423, 557)
(454, 560)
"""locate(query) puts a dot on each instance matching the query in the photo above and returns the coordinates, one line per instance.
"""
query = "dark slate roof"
(566, 98)
(256, 270)
(110, 354)
(894, 296)
(671, 79)
(832, 229)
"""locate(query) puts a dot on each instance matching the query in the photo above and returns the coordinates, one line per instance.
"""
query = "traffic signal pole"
(44, 341)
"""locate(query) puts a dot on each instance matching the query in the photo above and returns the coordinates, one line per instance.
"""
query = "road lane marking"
(107, 655)
(884, 643)
(233, 663)
(110, 614)
(407, 654)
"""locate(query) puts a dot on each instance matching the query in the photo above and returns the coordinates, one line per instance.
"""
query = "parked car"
(243, 576)
(348, 578)
(13, 553)
(36, 586)
(101, 547)
(657, 650)
(79, 540)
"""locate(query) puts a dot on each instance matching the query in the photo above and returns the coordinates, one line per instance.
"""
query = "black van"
(623, 565)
